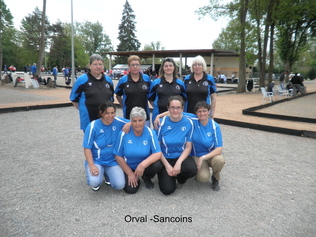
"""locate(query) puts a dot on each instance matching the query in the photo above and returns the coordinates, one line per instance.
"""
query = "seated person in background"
(99, 141)
(270, 87)
(297, 83)
(138, 152)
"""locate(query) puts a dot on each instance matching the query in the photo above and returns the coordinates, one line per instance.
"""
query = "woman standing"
(165, 86)
(132, 89)
(175, 137)
(138, 152)
(199, 86)
(90, 90)
(98, 143)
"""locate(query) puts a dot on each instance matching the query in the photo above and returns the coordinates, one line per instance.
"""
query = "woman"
(207, 145)
(132, 90)
(199, 86)
(90, 90)
(99, 141)
(175, 137)
(138, 152)
(165, 86)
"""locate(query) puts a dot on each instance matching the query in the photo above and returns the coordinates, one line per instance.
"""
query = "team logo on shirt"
(113, 128)
(101, 130)
(130, 142)
(177, 87)
(208, 134)
(160, 85)
(190, 82)
(205, 83)
(90, 83)
(107, 86)
(169, 127)
(183, 128)
(127, 86)
(145, 143)
(144, 87)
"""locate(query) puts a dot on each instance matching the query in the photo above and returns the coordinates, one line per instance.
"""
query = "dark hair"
(169, 60)
(202, 104)
(175, 97)
(105, 105)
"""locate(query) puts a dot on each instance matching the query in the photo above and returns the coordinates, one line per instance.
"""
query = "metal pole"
(72, 48)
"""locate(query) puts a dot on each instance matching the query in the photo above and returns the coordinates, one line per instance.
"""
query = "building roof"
(177, 53)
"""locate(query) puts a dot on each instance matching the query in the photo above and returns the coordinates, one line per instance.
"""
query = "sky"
(172, 22)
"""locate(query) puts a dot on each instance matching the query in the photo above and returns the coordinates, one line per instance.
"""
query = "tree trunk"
(1, 51)
(42, 42)
(271, 65)
(242, 63)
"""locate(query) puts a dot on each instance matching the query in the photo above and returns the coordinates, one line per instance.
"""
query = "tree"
(216, 9)
(153, 46)
(31, 28)
(296, 26)
(127, 29)
(60, 49)
(228, 39)
(7, 36)
(42, 41)
(242, 63)
(94, 38)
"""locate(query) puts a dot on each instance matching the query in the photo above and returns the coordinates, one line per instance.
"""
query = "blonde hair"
(199, 59)
(132, 58)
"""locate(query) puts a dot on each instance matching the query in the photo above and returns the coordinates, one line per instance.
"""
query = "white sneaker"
(107, 182)
(95, 188)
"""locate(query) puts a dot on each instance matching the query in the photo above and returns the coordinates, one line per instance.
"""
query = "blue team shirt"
(173, 136)
(135, 149)
(161, 90)
(205, 138)
(197, 91)
(101, 139)
(134, 93)
(90, 93)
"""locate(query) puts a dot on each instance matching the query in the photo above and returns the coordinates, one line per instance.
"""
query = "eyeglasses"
(168, 60)
(134, 65)
(175, 108)
(197, 65)
(202, 111)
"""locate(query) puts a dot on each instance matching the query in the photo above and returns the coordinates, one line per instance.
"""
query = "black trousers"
(149, 172)
(167, 184)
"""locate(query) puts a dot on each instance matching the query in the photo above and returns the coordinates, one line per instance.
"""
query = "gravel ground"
(266, 187)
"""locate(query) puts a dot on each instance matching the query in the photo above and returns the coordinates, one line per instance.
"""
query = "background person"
(138, 152)
(90, 90)
(175, 137)
(207, 145)
(132, 90)
(164, 87)
(55, 72)
(33, 69)
(297, 84)
(99, 142)
(199, 86)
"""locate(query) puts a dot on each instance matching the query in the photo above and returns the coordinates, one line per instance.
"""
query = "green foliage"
(60, 50)
(30, 34)
(7, 37)
(127, 38)
(312, 73)
(297, 24)
(93, 38)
